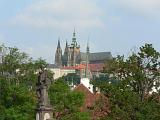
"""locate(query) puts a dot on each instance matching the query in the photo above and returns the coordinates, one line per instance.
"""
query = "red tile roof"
(92, 102)
(93, 67)
(89, 97)
(96, 67)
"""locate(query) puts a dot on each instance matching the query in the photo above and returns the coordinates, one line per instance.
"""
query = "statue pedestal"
(44, 113)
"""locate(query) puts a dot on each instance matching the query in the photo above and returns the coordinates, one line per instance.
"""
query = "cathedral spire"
(66, 48)
(74, 33)
(58, 55)
(59, 45)
(87, 47)
(74, 42)
(87, 61)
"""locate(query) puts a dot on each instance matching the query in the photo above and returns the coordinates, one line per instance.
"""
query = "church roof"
(96, 56)
(89, 97)
(96, 67)
(92, 100)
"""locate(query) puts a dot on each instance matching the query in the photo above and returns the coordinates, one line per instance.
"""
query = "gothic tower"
(66, 55)
(58, 55)
(74, 51)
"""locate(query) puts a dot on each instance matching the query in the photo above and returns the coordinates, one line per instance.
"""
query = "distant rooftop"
(92, 67)
(99, 56)
(52, 66)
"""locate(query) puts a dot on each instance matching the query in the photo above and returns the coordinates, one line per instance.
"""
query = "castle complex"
(72, 55)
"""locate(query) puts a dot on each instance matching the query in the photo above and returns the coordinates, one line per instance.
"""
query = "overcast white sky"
(111, 25)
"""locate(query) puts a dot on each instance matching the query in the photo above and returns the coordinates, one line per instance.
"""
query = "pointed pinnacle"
(59, 45)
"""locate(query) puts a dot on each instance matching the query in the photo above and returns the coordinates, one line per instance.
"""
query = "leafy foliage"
(77, 116)
(17, 84)
(139, 72)
(130, 98)
(66, 102)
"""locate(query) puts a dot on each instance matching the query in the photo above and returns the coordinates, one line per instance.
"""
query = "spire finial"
(88, 45)
(74, 33)
(87, 60)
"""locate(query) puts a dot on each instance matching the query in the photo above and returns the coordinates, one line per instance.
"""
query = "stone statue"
(44, 109)
(42, 88)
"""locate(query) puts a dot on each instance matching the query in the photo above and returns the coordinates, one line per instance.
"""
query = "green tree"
(66, 103)
(136, 75)
(18, 76)
(139, 72)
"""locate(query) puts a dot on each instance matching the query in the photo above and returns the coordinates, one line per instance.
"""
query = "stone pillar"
(44, 113)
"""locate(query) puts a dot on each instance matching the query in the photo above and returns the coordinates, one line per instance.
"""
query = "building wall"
(64, 72)
(58, 72)
(86, 83)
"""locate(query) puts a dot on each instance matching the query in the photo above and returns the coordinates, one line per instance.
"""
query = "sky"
(118, 26)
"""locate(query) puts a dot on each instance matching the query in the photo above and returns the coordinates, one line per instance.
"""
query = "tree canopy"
(17, 84)
(133, 98)
(66, 103)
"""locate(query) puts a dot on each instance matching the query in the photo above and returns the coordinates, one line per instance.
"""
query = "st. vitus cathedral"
(72, 55)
